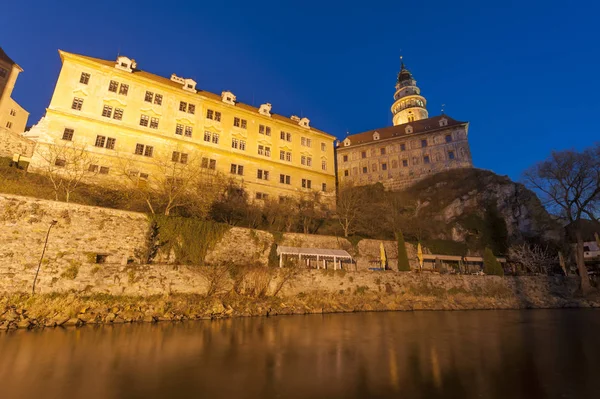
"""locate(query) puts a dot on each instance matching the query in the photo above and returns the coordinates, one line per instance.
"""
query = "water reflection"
(505, 354)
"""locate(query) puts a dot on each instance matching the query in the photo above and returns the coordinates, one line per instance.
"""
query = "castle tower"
(409, 105)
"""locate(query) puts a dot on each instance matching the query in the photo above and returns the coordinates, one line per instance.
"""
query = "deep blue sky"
(526, 74)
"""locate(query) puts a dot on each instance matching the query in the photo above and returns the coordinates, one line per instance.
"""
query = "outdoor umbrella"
(420, 255)
(383, 257)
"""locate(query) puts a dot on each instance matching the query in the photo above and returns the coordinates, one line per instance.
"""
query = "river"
(474, 354)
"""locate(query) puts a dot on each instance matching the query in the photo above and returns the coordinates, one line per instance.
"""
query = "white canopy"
(321, 252)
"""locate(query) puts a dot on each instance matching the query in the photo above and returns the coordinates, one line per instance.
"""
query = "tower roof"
(4, 57)
(404, 74)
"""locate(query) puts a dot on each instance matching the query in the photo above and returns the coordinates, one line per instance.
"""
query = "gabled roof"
(4, 57)
(169, 82)
(420, 126)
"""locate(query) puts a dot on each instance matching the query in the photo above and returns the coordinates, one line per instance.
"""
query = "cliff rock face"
(474, 204)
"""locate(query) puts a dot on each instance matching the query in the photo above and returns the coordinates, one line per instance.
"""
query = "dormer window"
(189, 85)
(408, 129)
(228, 97)
(125, 64)
(376, 136)
(265, 109)
(443, 122)
(295, 118)
(304, 122)
(346, 142)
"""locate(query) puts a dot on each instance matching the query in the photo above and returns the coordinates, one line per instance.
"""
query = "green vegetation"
(491, 266)
(188, 239)
(403, 265)
(72, 271)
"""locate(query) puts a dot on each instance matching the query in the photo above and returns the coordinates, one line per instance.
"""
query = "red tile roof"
(421, 126)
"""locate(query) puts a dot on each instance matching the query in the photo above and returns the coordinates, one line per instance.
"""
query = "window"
(100, 140)
(118, 115)
(153, 123)
(235, 143)
(262, 174)
(426, 159)
(236, 122)
(179, 129)
(424, 143)
(77, 103)
(215, 138)
(9, 124)
(306, 142)
(323, 147)
(448, 138)
(285, 179)
(149, 96)
(3, 72)
(306, 183)
(188, 131)
(323, 164)
(158, 99)
(209, 114)
(144, 176)
(304, 160)
(266, 130)
(346, 172)
(402, 147)
(208, 163)
(85, 78)
(450, 154)
(110, 143)
(324, 187)
(262, 196)
(93, 168)
(382, 150)
(107, 111)
(13, 112)
(145, 150)
(179, 157)
(191, 109)
(182, 106)
(363, 154)
(123, 89)
(261, 150)
(285, 136)
(243, 145)
(207, 136)
(237, 169)
(104, 170)
(384, 166)
(365, 169)
(68, 134)
(113, 86)
(288, 156)
(241, 123)
(144, 120)
(60, 162)
(345, 158)
(217, 116)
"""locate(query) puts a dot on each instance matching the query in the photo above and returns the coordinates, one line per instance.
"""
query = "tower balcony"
(411, 103)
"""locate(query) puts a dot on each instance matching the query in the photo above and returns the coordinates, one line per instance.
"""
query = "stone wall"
(85, 235)
(12, 143)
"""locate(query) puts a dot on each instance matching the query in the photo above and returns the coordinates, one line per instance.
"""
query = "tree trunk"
(584, 279)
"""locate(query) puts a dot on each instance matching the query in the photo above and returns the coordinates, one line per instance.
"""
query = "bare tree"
(311, 212)
(535, 258)
(166, 182)
(280, 215)
(568, 183)
(66, 166)
(350, 201)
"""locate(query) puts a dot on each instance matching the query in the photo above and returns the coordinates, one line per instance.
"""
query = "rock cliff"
(478, 206)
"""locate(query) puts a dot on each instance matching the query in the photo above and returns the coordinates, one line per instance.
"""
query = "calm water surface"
(488, 354)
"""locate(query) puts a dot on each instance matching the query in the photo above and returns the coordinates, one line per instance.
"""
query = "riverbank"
(385, 292)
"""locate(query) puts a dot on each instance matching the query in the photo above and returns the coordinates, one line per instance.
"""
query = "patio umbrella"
(420, 255)
(383, 257)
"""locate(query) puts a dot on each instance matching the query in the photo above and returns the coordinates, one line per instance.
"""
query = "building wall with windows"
(415, 147)
(119, 112)
(12, 116)
(401, 155)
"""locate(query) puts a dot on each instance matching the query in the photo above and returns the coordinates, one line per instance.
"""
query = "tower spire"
(409, 105)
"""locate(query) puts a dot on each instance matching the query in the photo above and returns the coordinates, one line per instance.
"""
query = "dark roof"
(404, 74)
(421, 126)
(4, 57)
(214, 96)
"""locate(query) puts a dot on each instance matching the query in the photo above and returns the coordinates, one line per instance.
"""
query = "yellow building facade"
(117, 111)
(12, 116)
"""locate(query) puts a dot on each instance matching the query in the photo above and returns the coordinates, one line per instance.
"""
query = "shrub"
(491, 265)
(403, 264)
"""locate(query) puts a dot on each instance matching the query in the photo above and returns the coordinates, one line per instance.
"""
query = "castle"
(415, 147)
(136, 125)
